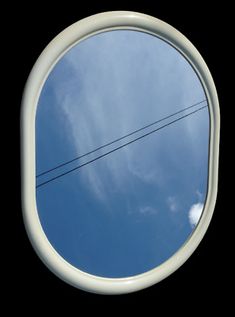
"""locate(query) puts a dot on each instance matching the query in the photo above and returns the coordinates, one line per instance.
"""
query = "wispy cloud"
(199, 195)
(147, 210)
(108, 95)
(194, 214)
(172, 203)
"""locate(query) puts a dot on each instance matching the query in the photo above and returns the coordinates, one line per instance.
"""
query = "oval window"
(120, 129)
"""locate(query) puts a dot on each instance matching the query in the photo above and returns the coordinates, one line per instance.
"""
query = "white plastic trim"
(52, 53)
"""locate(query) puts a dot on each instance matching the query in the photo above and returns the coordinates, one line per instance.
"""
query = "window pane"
(122, 136)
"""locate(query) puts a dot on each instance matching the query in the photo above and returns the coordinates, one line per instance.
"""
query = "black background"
(202, 281)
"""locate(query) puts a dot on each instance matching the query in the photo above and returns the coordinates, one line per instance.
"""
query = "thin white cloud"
(194, 214)
(199, 195)
(103, 100)
(172, 203)
(147, 210)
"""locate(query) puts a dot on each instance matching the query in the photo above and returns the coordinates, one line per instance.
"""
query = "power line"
(118, 139)
(118, 148)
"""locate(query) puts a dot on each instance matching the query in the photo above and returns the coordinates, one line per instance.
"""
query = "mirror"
(122, 146)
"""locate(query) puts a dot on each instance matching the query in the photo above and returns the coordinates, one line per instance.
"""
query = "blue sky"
(131, 210)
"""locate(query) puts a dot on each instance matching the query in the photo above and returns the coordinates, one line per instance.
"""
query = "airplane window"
(123, 130)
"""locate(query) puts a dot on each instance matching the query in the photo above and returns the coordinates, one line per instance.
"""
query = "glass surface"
(121, 167)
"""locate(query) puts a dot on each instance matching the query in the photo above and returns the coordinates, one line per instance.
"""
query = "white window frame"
(53, 52)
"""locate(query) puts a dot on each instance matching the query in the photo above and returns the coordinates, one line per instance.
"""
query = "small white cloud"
(195, 213)
(147, 210)
(172, 203)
